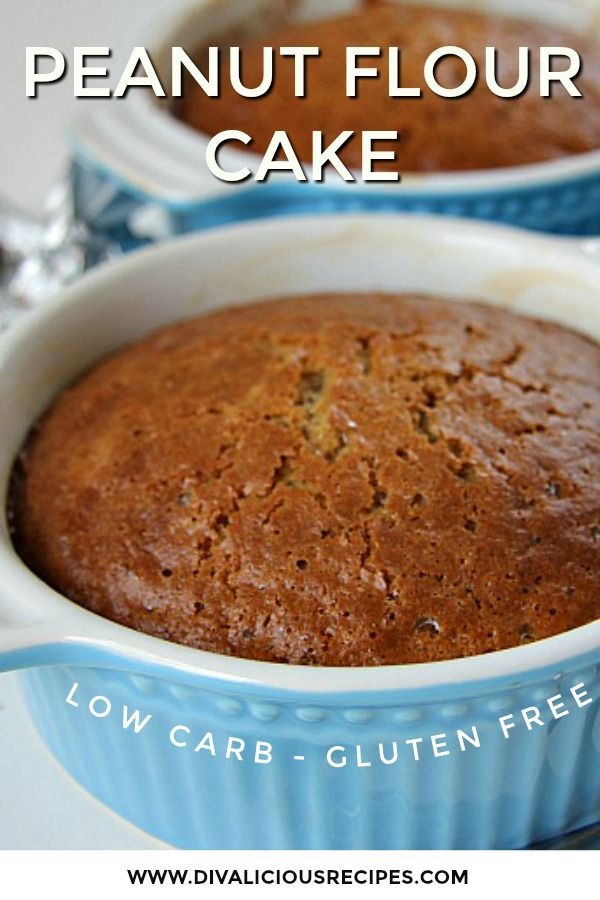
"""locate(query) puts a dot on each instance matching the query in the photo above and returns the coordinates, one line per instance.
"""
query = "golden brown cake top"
(477, 131)
(337, 480)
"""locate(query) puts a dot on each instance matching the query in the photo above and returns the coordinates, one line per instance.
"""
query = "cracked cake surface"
(335, 480)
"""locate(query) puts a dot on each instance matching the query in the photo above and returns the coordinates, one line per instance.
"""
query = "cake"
(477, 131)
(341, 479)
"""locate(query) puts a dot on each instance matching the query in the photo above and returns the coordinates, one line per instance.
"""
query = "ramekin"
(139, 173)
(509, 793)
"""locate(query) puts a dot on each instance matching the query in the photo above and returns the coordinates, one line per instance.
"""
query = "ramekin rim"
(87, 139)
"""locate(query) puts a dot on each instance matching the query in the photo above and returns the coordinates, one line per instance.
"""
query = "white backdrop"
(32, 147)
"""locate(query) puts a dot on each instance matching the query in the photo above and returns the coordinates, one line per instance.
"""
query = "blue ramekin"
(508, 793)
(139, 174)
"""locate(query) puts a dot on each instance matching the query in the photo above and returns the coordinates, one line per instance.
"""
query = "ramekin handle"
(32, 646)
(41, 628)
(17, 650)
(38, 628)
(23, 636)
(125, 146)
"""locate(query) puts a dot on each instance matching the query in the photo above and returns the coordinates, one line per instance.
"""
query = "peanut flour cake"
(338, 480)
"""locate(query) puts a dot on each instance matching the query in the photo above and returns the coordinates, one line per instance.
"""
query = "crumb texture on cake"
(477, 131)
(337, 480)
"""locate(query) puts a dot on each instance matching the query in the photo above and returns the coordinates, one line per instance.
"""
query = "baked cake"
(339, 480)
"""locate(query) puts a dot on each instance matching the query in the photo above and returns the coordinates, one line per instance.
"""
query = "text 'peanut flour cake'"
(475, 131)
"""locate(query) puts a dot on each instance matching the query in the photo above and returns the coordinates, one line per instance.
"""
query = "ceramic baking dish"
(138, 172)
(507, 793)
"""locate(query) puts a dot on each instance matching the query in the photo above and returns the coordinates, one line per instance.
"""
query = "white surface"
(41, 807)
(32, 149)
